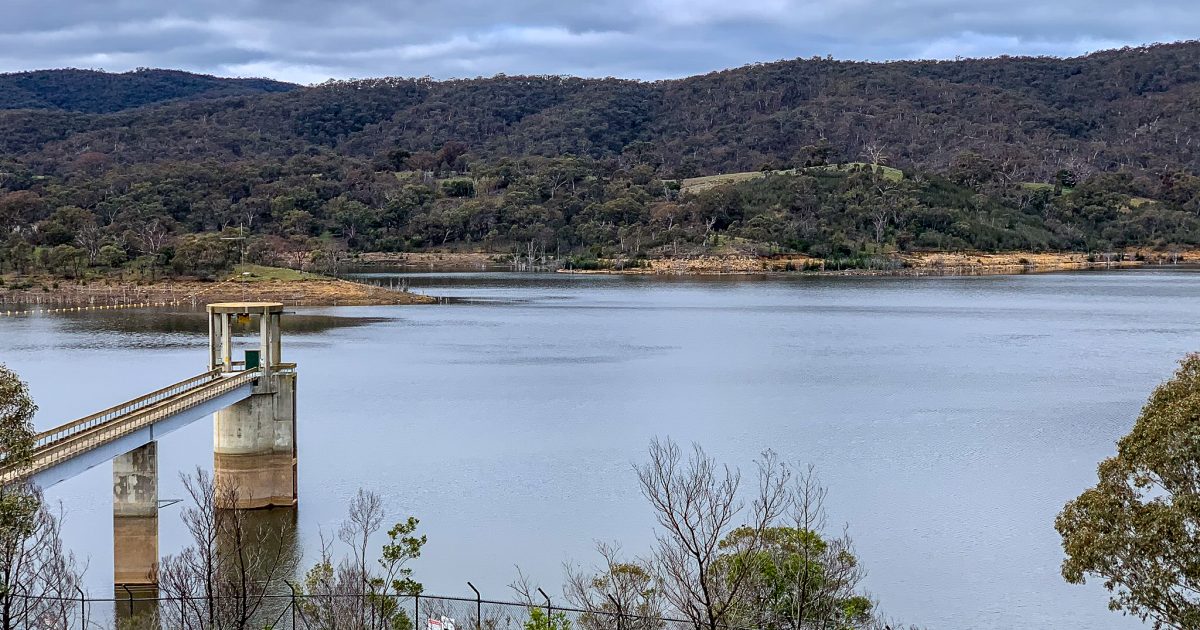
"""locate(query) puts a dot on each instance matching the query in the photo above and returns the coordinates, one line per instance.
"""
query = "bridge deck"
(85, 435)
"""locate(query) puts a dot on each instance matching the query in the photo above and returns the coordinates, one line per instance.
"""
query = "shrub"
(459, 187)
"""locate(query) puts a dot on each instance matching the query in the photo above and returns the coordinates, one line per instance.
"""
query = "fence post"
(83, 616)
(617, 605)
(549, 609)
(416, 610)
(130, 594)
(478, 608)
(293, 589)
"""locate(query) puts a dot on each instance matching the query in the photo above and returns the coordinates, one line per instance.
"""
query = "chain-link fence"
(133, 610)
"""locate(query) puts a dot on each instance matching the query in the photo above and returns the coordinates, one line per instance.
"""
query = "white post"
(212, 343)
(264, 342)
(227, 341)
(276, 346)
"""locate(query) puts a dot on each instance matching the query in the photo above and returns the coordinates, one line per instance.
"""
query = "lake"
(950, 418)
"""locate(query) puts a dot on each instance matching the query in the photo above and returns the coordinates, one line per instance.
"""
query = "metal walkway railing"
(80, 436)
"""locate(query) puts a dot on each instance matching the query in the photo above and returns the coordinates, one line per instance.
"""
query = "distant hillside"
(1131, 109)
(1093, 154)
(96, 92)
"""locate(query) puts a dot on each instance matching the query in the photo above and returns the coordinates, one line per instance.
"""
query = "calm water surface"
(950, 417)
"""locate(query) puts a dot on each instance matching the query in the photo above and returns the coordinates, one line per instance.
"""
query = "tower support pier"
(135, 517)
(254, 445)
(254, 440)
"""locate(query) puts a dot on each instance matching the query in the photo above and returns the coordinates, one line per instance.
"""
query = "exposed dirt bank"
(917, 263)
(925, 263)
(436, 261)
(302, 292)
(305, 289)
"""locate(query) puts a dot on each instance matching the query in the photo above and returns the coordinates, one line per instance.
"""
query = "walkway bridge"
(69, 449)
(254, 449)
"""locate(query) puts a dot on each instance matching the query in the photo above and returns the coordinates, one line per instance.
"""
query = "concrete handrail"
(87, 422)
(138, 419)
(103, 427)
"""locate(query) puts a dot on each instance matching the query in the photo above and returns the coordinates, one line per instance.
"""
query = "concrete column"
(276, 346)
(135, 517)
(227, 341)
(254, 445)
(264, 342)
(212, 343)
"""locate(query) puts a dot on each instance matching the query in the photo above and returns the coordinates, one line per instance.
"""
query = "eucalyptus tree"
(697, 504)
(619, 594)
(354, 593)
(1136, 529)
(38, 578)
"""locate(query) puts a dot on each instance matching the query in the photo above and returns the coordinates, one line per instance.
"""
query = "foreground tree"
(351, 593)
(225, 577)
(38, 578)
(799, 577)
(537, 617)
(618, 595)
(1137, 529)
(697, 504)
(16, 418)
(720, 565)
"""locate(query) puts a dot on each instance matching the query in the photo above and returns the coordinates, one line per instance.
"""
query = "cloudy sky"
(308, 41)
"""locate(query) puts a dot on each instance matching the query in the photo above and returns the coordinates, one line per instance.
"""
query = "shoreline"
(196, 293)
(313, 290)
(701, 268)
(904, 265)
(901, 265)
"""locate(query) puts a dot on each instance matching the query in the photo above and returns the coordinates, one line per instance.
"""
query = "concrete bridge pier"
(135, 519)
(254, 445)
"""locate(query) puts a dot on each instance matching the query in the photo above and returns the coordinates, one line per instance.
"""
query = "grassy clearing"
(260, 273)
(1035, 186)
(893, 174)
(697, 184)
(1134, 202)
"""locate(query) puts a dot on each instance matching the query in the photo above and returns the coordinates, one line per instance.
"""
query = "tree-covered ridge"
(97, 92)
(1130, 109)
(174, 215)
(1089, 154)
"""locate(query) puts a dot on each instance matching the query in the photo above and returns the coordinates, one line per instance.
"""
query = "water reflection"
(268, 562)
(158, 320)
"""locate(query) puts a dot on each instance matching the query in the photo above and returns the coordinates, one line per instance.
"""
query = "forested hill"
(1123, 109)
(97, 92)
(1096, 154)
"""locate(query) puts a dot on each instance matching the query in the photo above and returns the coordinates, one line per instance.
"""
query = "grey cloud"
(311, 40)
